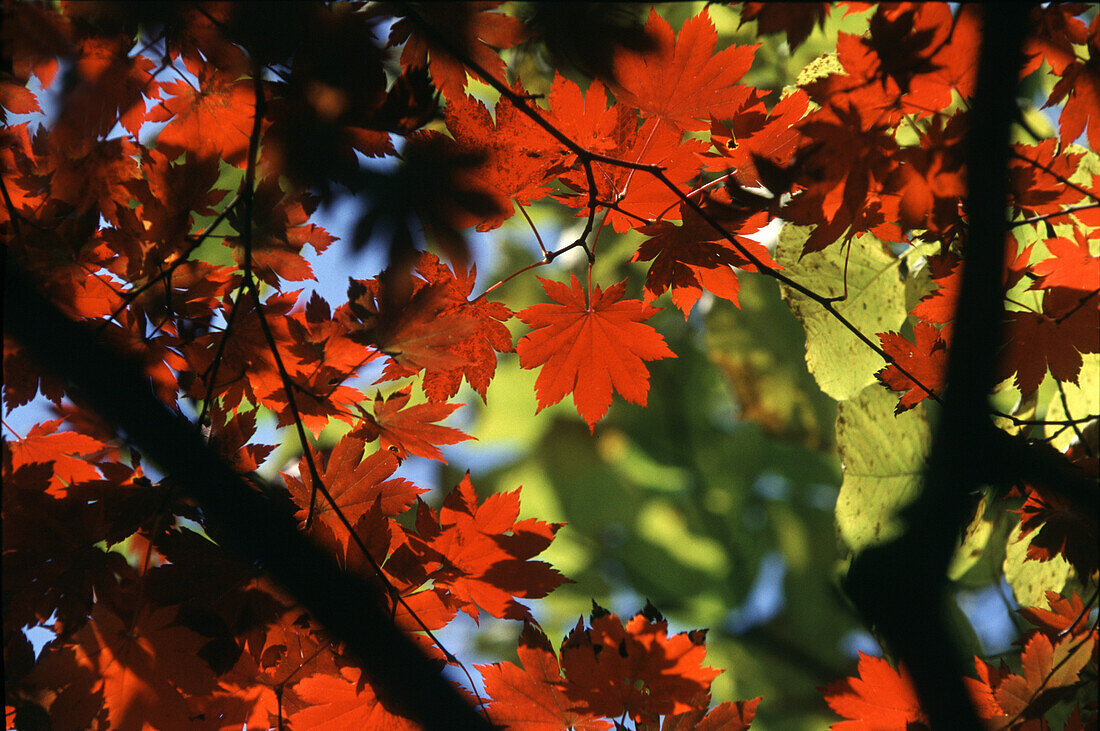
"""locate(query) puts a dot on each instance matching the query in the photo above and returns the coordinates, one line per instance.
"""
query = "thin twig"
(1055, 214)
(1057, 176)
(215, 365)
(531, 223)
(1073, 424)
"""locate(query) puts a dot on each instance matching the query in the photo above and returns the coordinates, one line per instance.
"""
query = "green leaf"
(973, 542)
(1082, 398)
(883, 458)
(1031, 580)
(840, 361)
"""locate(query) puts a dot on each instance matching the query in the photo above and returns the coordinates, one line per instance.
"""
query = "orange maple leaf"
(486, 552)
(880, 697)
(692, 257)
(471, 27)
(531, 697)
(517, 158)
(340, 700)
(215, 119)
(1066, 615)
(682, 81)
(728, 716)
(637, 668)
(588, 349)
(1070, 265)
(72, 454)
(406, 430)
(926, 360)
(1047, 666)
(354, 483)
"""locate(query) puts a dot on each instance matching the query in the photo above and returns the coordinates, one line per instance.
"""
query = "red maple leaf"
(516, 158)
(280, 230)
(947, 64)
(588, 349)
(322, 341)
(214, 119)
(354, 483)
(846, 158)
(879, 698)
(531, 697)
(139, 671)
(479, 349)
(797, 20)
(108, 88)
(428, 323)
(408, 429)
(636, 669)
(247, 369)
(1052, 339)
(585, 117)
(340, 700)
(89, 173)
(912, 60)
(694, 257)
(930, 179)
(72, 454)
(1038, 173)
(324, 356)
(1070, 264)
(728, 716)
(1079, 86)
(234, 442)
(614, 131)
(681, 81)
(471, 27)
(637, 194)
(946, 272)
(925, 360)
(939, 306)
(245, 695)
(1053, 32)
(756, 132)
(411, 323)
(1066, 615)
(23, 378)
(1063, 530)
(487, 552)
(171, 195)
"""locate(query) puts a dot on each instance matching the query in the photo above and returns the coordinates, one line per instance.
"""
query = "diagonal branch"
(249, 525)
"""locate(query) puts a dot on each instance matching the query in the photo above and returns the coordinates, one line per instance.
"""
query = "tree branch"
(247, 523)
(899, 586)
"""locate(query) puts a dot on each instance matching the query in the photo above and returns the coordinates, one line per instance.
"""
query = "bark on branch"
(405, 679)
(900, 586)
